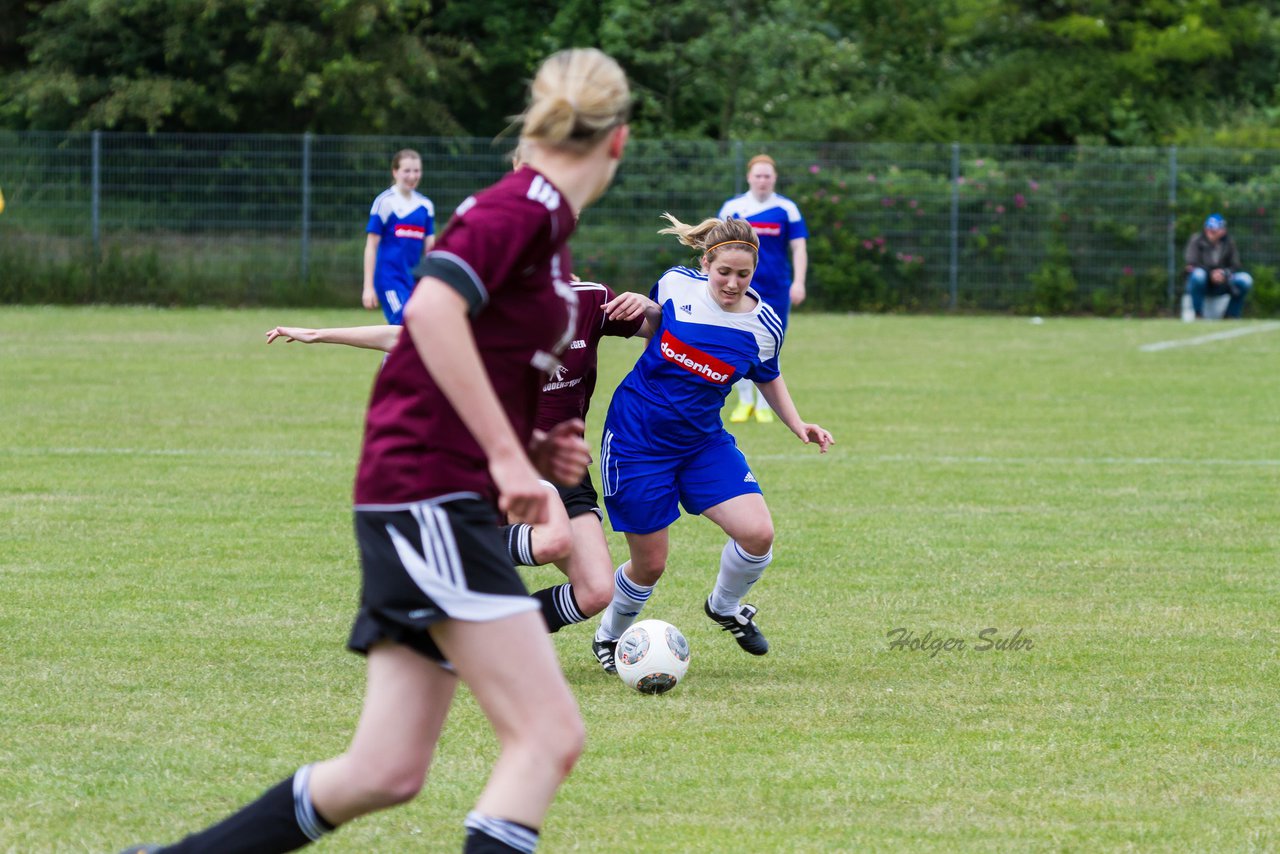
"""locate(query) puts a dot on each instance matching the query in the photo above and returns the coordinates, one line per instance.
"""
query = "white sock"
(738, 571)
(762, 404)
(628, 598)
(746, 390)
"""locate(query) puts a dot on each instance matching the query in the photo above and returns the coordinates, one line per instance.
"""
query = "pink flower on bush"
(1128, 271)
(1034, 185)
(1020, 200)
(913, 204)
(880, 241)
(867, 244)
(999, 209)
(814, 170)
(871, 178)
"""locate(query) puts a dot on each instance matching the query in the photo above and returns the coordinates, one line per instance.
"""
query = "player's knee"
(552, 543)
(386, 784)
(593, 594)
(646, 572)
(553, 738)
(565, 742)
(757, 539)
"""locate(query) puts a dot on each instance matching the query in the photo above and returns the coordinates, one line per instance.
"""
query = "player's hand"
(797, 293)
(561, 454)
(815, 433)
(520, 492)
(628, 306)
(292, 333)
(369, 298)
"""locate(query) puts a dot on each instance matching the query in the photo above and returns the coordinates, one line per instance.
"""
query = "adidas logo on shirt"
(687, 309)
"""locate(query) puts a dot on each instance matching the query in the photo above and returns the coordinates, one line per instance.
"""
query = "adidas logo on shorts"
(750, 478)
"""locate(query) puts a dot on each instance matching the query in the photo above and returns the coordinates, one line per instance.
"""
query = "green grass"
(177, 576)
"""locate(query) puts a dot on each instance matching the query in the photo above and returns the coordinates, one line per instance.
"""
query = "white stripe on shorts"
(438, 572)
(439, 549)
(609, 484)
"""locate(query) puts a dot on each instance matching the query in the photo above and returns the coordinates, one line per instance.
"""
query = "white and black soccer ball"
(652, 656)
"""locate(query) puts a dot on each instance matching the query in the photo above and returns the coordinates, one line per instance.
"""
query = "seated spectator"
(1213, 268)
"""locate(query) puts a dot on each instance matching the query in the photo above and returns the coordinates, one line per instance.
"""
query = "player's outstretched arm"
(629, 306)
(780, 399)
(368, 337)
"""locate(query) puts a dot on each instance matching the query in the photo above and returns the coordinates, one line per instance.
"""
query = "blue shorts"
(642, 491)
(392, 297)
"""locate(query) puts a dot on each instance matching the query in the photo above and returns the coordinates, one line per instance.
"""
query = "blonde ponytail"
(577, 97)
(711, 235)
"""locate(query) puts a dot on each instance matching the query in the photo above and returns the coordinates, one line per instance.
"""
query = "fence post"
(739, 168)
(95, 203)
(1173, 225)
(306, 206)
(954, 271)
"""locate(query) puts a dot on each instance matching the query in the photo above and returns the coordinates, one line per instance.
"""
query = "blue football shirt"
(670, 401)
(777, 221)
(404, 225)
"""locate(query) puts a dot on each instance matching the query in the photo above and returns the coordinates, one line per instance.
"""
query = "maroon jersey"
(567, 393)
(505, 252)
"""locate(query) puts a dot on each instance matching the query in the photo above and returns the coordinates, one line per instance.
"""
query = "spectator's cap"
(1215, 221)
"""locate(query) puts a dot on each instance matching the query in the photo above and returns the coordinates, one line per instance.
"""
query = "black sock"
(489, 835)
(283, 819)
(520, 544)
(559, 606)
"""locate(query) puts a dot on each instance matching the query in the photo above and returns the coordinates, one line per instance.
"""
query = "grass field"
(177, 577)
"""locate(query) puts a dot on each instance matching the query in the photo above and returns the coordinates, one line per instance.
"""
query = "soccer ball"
(652, 656)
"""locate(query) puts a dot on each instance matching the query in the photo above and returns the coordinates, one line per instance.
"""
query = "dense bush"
(187, 220)
(1038, 231)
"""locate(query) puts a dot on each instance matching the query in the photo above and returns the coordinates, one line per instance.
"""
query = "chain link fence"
(279, 219)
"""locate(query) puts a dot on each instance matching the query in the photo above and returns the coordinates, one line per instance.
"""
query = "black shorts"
(427, 562)
(581, 498)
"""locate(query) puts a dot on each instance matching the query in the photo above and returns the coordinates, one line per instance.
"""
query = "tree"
(754, 69)
(1120, 72)
(369, 66)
